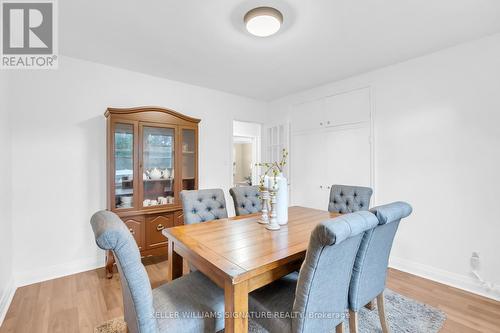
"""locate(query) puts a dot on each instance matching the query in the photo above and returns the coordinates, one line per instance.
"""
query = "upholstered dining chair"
(203, 205)
(322, 284)
(246, 199)
(154, 311)
(348, 199)
(370, 268)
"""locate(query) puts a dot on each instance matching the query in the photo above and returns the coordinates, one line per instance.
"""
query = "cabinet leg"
(110, 261)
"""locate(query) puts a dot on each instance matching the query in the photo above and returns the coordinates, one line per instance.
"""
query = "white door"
(277, 140)
(308, 170)
(348, 157)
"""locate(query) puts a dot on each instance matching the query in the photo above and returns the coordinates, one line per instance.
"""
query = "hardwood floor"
(79, 302)
(465, 312)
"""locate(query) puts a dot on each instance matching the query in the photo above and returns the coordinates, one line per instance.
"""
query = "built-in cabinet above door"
(346, 108)
(308, 116)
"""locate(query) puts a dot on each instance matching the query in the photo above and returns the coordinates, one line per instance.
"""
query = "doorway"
(246, 153)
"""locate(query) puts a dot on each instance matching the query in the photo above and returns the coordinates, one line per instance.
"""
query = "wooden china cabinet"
(152, 155)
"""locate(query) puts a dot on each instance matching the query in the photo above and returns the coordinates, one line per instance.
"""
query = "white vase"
(281, 197)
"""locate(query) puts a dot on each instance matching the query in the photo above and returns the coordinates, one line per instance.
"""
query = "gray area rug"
(403, 315)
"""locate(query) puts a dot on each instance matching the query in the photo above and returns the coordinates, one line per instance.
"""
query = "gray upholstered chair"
(246, 199)
(152, 311)
(203, 205)
(322, 284)
(348, 199)
(370, 267)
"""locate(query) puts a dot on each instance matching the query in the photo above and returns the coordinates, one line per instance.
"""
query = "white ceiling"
(203, 42)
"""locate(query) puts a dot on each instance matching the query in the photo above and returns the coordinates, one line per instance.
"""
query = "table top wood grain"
(241, 248)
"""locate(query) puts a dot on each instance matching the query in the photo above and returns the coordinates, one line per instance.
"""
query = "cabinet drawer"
(135, 226)
(154, 226)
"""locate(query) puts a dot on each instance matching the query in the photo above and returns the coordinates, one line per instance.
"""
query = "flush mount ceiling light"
(263, 21)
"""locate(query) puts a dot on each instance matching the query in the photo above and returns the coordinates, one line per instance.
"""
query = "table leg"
(174, 263)
(236, 307)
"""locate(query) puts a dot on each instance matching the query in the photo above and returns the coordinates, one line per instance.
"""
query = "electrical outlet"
(475, 261)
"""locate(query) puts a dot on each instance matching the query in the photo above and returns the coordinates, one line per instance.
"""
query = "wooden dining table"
(241, 255)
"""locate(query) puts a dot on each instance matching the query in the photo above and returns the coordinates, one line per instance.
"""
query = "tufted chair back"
(370, 267)
(203, 205)
(348, 199)
(246, 199)
(112, 234)
(324, 277)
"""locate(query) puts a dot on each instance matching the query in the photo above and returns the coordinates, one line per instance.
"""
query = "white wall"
(6, 277)
(437, 140)
(246, 129)
(58, 133)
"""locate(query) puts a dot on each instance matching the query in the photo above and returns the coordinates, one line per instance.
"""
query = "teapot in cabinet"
(154, 174)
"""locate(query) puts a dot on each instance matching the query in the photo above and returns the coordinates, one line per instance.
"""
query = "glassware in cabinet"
(123, 156)
(158, 161)
(189, 159)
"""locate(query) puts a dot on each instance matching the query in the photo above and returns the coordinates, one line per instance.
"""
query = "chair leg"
(339, 328)
(381, 313)
(353, 322)
(370, 305)
(185, 268)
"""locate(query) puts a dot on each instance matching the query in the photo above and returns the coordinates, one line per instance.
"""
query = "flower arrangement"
(274, 168)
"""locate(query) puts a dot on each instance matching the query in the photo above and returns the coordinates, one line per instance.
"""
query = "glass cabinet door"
(158, 166)
(124, 165)
(188, 159)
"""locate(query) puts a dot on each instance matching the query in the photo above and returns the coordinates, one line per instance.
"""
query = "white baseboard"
(464, 282)
(52, 272)
(6, 299)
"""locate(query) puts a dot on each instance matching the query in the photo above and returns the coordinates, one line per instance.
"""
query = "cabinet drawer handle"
(160, 227)
(131, 231)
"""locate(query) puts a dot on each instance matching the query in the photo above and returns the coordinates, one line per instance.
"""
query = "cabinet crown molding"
(139, 109)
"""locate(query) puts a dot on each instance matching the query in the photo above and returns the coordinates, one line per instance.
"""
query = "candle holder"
(273, 221)
(265, 198)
